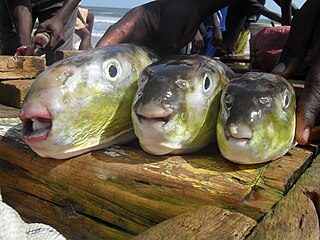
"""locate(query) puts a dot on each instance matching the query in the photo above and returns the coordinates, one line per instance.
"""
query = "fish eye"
(286, 100)
(228, 100)
(264, 100)
(112, 69)
(139, 94)
(207, 83)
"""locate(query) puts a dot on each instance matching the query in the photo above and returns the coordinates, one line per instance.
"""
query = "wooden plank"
(208, 222)
(8, 112)
(297, 214)
(79, 226)
(132, 190)
(20, 67)
(13, 92)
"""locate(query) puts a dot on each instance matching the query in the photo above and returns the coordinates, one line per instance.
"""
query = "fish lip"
(159, 117)
(162, 121)
(239, 134)
(31, 136)
(239, 141)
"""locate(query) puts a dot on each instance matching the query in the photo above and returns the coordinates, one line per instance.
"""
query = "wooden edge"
(207, 222)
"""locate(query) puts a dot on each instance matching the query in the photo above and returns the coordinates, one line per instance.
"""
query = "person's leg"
(85, 36)
(90, 21)
(208, 49)
(234, 22)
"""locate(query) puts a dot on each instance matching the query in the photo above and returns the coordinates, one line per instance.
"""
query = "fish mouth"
(239, 141)
(239, 134)
(160, 120)
(154, 116)
(35, 128)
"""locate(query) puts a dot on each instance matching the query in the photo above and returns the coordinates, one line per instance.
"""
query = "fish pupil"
(207, 83)
(113, 71)
(286, 101)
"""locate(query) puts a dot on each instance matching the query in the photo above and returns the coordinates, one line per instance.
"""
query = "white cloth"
(12, 227)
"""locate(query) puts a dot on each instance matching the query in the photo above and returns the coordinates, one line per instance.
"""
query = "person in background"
(304, 37)
(83, 29)
(288, 9)
(238, 14)
(212, 33)
(57, 18)
(9, 41)
(164, 26)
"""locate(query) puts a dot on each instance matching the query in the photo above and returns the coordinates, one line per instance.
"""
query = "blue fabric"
(209, 49)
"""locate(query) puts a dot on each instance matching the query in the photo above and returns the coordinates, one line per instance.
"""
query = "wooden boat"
(122, 192)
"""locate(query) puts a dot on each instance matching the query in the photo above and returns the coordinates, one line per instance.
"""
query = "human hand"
(55, 28)
(309, 103)
(304, 33)
(198, 41)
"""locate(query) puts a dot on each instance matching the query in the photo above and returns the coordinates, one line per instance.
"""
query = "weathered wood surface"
(8, 112)
(297, 214)
(20, 67)
(208, 222)
(123, 191)
(13, 92)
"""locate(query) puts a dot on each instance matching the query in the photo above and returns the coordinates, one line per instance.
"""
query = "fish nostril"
(233, 129)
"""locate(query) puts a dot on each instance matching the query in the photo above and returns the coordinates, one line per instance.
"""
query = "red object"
(40, 40)
(21, 51)
(266, 47)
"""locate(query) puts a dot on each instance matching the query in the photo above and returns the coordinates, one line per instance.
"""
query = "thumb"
(308, 107)
(287, 68)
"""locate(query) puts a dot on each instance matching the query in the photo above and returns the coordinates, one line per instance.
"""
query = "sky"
(132, 3)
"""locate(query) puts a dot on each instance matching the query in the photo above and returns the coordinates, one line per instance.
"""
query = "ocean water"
(103, 19)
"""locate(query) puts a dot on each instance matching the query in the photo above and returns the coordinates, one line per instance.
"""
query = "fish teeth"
(37, 125)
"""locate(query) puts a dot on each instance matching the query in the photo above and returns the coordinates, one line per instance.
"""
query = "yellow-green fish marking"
(257, 118)
(177, 103)
(84, 102)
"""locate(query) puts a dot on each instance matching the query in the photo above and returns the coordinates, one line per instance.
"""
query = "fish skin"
(83, 103)
(257, 120)
(174, 110)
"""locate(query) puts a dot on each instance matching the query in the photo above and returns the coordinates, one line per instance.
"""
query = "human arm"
(269, 14)
(55, 25)
(304, 33)
(21, 14)
(253, 7)
(217, 34)
(286, 12)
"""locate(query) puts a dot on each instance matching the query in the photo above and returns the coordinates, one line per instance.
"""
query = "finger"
(309, 104)
(315, 134)
(299, 39)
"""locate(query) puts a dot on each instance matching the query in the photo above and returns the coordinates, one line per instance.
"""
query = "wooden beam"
(13, 92)
(207, 222)
(297, 214)
(20, 67)
(130, 190)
